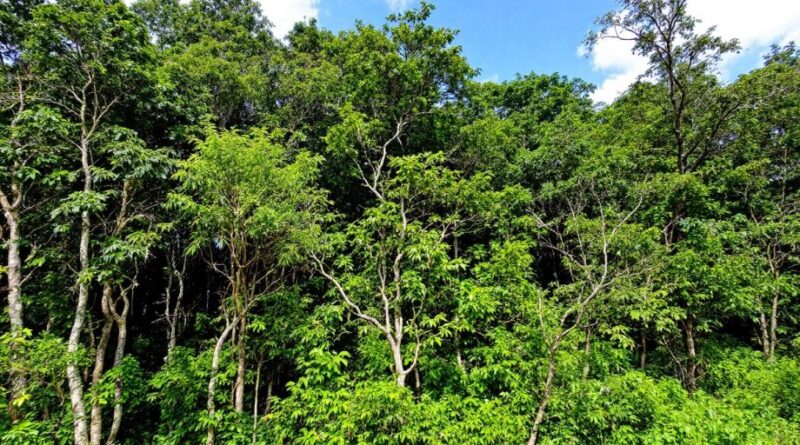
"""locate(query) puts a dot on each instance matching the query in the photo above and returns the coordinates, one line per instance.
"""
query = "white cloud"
(285, 13)
(614, 57)
(756, 24)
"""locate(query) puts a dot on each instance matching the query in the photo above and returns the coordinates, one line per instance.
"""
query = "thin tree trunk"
(255, 399)
(80, 429)
(691, 362)
(172, 315)
(241, 368)
(268, 406)
(13, 271)
(173, 333)
(171, 272)
(457, 341)
(417, 383)
(14, 277)
(643, 351)
(548, 390)
(212, 381)
(773, 328)
(119, 354)
(765, 342)
(587, 351)
(96, 422)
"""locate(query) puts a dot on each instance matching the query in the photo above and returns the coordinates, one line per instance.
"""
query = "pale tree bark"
(14, 278)
(211, 407)
(587, 353)
(596, 273)
(74, 380)
(545, 398)
(643, 350)
(691, 354)
(96, 422)
(764, 331)
(773, 327)
(111, 317)
(393, 323)
(11, 205)
(241, 367)
(172, 312)
(565, 328)
(91, 109)
(255, 397)
(121, 320)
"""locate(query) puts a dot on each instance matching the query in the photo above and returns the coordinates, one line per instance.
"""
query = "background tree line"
(211, 235)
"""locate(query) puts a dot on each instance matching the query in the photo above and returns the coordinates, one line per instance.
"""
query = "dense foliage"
(211, 235)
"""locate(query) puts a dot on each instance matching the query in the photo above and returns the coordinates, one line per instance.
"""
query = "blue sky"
(506, 37)
(501, 38)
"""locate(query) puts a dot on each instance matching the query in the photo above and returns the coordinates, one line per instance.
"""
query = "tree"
(401, 264)
(762, 185)
(602, 251)
(26, 157)
(683, 60)
(89, 55)
(246, 199)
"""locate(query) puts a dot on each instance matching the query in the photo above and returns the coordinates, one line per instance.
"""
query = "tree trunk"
(173, 314)
(587, 351)
(96, 422)
(691, 355)
(14, 277)
(397, 356)
(212, 381)
(417, 383)
(643, 351)
(11, 210)
(548, 390)
(119, 355)
(255, 399)
(764, 339)
(773, 328)
(80, 429)
(268, 405)
(241, 368)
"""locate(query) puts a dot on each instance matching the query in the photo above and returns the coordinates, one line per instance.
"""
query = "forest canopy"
(214, 235)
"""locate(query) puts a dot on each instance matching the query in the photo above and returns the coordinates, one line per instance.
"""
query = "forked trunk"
(119, 354)
(399, 367)
(96, 423)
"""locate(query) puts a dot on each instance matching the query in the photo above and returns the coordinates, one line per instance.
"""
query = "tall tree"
(252, 203)
(90, 56)
(684, 60)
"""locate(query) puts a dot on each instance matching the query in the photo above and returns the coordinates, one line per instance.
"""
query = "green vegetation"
(211, 235)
